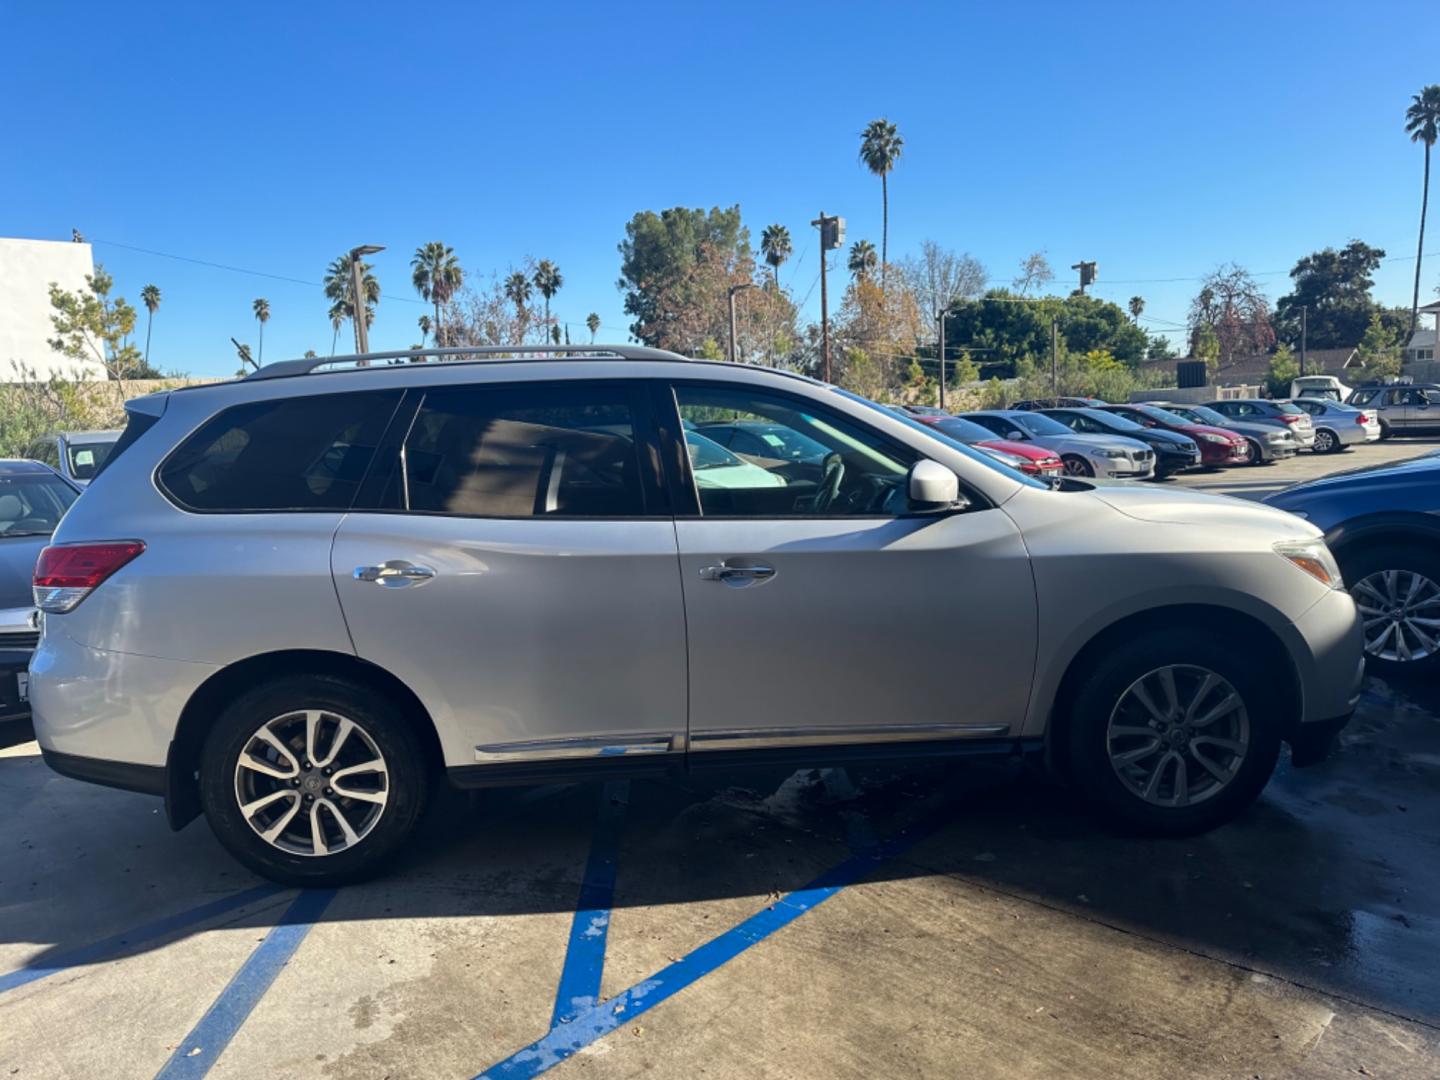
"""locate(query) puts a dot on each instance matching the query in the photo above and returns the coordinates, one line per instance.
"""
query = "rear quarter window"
(292, 454)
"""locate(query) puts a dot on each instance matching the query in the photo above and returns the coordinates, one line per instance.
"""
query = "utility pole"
(1087, 274)
(357, 295)
(1055, 357)
(941, 319)
(734, 350)
(1304, 328)
(832, 236)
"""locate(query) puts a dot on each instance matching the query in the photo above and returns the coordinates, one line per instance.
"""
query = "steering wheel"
(830, 480)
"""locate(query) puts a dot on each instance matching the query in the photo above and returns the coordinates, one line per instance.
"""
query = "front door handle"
(737, 577)
(394, 574)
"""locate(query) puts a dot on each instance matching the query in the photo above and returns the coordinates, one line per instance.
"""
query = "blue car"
(1383, 524)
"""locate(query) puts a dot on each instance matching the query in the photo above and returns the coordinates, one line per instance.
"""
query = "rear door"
(821, 612)
(516, 568)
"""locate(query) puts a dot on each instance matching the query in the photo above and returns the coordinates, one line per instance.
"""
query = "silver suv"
(299, 601)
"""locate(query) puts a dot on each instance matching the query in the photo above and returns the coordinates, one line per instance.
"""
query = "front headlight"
(1313, 557)
(1225, 439)
(1111, 453)
(1277, 436)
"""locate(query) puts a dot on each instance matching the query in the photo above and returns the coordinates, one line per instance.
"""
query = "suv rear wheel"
(313, 780)
(1172, 734)
(1397, 589)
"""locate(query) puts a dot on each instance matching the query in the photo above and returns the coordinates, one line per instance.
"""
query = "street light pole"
(359, 307)
(734, 350)
(941, 319)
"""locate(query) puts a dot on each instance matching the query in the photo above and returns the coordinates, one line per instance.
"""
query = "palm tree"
(775, 245)
(150, 297)
(437, 276)
(880, 146)
(862, 258)
(338, 289)
(548, 280)
(337, 319)
(1137, 305)
(425, 325)
(261, 308)
(1422, 121)
(592, 321)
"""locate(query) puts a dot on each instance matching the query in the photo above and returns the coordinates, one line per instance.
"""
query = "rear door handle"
(394, 574)
(737, 577)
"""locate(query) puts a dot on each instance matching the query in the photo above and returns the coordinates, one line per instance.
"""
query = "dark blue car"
(1383, 524)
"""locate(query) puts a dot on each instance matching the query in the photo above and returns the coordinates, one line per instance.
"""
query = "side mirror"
(1148, 423)
(933, 487)
(1016, 435)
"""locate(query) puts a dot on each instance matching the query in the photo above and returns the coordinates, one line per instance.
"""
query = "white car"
(1111, 457)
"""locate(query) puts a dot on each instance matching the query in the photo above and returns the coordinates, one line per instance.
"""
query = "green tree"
(1333, 288)
(860, 374)
(880, 148)
(548, 281)
(1004, 328)
(1206, 346)
(150, 297)
(1283, 370)
(437, 276)
(1422, 124)
(1137, 307)
(1379, 353)
(91, 327)
(962, 369)
(592, 323)
(1159, 347)
(261, 307)
(776, 247)
(710, 350)
(862, 258)
(339, 289)
(669, 260)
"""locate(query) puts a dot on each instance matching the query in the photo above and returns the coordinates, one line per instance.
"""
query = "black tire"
(1385, 432)
(1075, 465)
(1087, 754)
(1257, 453)
(1327, 442)
(407, 784)
(1358, 563)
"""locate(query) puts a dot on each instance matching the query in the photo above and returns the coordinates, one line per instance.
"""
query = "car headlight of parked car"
(1278, 436)
(1214, 438)
(1111, 453)
(1314, 558)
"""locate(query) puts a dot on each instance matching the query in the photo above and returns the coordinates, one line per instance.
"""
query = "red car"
(1218, 446)
(1034, 461)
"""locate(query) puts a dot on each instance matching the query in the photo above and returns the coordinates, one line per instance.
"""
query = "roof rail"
(461, 354)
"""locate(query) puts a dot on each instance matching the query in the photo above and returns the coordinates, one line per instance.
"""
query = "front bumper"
(1170, 464)
(1217, 454)
(1329, 655)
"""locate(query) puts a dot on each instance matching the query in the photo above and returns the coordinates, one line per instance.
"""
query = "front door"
(519, 574)
(820, 612)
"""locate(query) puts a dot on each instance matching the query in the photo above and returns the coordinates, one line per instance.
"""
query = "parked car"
(1105, 456)
(1275, 413)
(1173, 452)
(754, 438)
(923, 410)
(1401, 409)
(467, 571)
(715, 467)
(1071, 401)
(1218, 446)
(33, 498)
(1383, 523)
(1268, 443)
(1325, 387)
(75, 455)
(1338, 427)
(1031, 459)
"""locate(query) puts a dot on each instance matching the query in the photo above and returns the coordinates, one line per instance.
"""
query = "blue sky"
(1158, 140)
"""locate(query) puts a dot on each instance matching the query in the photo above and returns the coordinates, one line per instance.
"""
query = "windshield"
(33, 505)
(935, 433)
(789, 443)
(967, 431)
(86, 458)
(1111, 420)
(1202, 414)
(1037, 425)
(707, 453)
(1161, 416)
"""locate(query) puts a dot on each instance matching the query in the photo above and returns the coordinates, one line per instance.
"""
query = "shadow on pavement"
(1330, 880)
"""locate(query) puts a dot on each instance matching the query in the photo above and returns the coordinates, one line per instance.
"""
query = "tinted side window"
(1362, 397)
(302, 453)
(525, 451)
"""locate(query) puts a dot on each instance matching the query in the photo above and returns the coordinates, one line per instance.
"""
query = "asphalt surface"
(955, 920)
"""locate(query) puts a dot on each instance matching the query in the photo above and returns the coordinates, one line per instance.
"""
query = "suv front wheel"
(1173, 734)
(313, 780)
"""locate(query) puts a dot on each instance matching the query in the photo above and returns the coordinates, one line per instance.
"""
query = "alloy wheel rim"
(1325, 440)
(1178, 735)
(1401, 613)
(1076, 467)
(311, 782)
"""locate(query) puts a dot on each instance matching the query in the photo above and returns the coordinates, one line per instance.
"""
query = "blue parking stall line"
(589, 1025)
(201, 1048)
(579, 986)
(116, 945)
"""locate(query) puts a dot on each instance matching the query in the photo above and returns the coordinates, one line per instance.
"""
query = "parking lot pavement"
(1258, 481)
(951, 919)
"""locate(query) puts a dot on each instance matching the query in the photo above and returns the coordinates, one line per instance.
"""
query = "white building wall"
(27, 267)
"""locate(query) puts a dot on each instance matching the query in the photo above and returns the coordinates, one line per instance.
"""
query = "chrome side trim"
(766, 738)
(587, 747)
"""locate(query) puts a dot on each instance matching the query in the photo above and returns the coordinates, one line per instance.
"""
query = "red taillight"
(1360, 418)
(1290, 418)
(67, 573)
